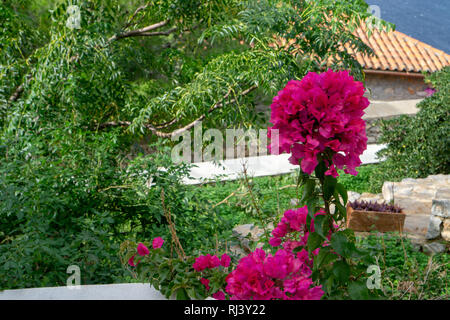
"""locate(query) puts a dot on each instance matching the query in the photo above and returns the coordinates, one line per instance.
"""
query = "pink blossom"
(225, 260)
(214, 262)
(261, 276)
(320, 117)
(219, 295)
(157, 242)
(205, 282)
(430, 91)
(285, 275)
(275, 242)
(206, 262)
(142, 249)
(131, 261)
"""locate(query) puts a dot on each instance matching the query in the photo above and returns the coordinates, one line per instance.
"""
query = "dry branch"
(139, 32)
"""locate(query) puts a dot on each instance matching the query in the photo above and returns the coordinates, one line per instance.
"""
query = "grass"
(231, 198)
(273, 193)
(362, 182)
(406, 273)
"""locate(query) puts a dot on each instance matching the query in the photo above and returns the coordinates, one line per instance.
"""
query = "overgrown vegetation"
(406, 273)
(84, 110)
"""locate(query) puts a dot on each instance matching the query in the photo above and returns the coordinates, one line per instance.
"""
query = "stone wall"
(417, 195)
(393, 87)
(439, 227)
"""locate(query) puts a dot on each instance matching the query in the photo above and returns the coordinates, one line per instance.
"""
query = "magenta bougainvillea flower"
(157, 243)
(320, 117)
(131, 261)
(430, 91)
(205, 282)
(261, 276)
(142, 249)
(225, 260)
(294, 221)
(206, 262)
(219, 295)
(286, 275)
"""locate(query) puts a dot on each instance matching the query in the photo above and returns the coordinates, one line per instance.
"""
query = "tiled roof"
(395, 51)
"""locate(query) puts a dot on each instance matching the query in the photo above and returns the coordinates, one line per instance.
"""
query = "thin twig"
(255, 205)
(175, 239)
(141, 8)
(430, 263)
(224, 200)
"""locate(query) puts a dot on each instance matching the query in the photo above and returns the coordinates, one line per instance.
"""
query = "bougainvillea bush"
(284, 275)
(318, 120)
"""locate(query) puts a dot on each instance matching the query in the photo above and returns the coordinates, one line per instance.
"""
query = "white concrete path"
(123, 291)
(382, 109)
(231, 169)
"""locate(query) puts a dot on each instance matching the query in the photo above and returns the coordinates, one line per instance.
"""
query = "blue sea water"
(425, 20)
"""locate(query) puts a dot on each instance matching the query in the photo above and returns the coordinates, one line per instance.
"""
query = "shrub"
(419, 146)
(56, 213)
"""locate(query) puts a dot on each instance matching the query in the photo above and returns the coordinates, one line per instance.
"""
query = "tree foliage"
(78, 104)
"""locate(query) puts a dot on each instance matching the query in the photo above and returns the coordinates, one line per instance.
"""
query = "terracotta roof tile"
(395, 51)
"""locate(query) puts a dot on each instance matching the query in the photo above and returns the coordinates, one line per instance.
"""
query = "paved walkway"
(384, 109)
(271, 165)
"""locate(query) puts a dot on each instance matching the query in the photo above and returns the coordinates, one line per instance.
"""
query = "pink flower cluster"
(430, 91)
(209, 262)
(321, 115)
(143, 251)
(285, 275)
(219, 295)
(292, 230)
(261, 276)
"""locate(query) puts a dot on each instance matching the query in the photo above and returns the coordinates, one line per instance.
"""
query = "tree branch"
(178, 131)
(16, 93)
(157, 33)
(138, 32)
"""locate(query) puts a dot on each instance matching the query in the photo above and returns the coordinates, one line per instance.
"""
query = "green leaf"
(320, 170)
(314, 241)
(341, 209)
(340, 244)
(342, 271)
(308, 190)
(342, 191)
(329, 284)
(322, 225)
(182, 294)
(358, 291)
(329, 184)
(324, 257)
